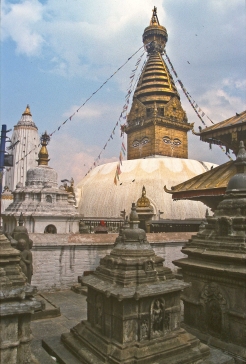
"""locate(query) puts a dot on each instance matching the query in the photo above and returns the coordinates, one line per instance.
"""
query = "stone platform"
(48, 308)
(56, 349)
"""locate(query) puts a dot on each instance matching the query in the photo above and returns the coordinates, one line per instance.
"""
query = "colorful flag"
(118, 169)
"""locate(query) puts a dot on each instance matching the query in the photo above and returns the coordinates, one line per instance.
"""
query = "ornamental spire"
(154, 19)
(43, 154)
(27, 111)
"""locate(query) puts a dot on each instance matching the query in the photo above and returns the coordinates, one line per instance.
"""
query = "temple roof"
(208, 187)
(228, 132)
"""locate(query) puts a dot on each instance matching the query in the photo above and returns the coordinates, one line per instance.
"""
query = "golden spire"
(27, 111)
(43, 154)
(154, 19)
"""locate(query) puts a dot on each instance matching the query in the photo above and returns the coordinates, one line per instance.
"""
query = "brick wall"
(59, 259)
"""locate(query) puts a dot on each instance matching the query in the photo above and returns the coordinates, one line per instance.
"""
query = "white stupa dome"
(98, 196)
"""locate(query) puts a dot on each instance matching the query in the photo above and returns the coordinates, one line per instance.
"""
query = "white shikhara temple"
(25, 139)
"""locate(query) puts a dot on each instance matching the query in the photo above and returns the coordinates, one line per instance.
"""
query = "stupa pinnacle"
(43, 154)
(157, 123)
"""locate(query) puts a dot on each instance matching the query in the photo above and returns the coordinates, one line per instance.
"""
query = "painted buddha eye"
(144, 141)
(176, 141)
(167, 140)
(135, 143)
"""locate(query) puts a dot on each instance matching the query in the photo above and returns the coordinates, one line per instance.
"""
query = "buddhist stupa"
(157, 146)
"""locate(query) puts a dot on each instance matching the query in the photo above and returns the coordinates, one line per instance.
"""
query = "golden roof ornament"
(154, 19)
(143, 201)
(27, 111)
(155, 35)
(43, 154)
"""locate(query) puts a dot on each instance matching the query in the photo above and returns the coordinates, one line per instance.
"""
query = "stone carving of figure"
(157, 316)
(144, 330)
(26, 259)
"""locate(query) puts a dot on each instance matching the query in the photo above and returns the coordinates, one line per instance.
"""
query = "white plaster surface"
(98, 196)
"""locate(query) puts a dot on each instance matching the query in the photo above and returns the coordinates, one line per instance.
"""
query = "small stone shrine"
(16, 306)
(133, 310)
(144, 210)
(215, 303)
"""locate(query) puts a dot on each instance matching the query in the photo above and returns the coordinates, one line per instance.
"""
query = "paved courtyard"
(73, 310)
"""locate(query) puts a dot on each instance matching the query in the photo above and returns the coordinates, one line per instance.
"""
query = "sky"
(55, 54)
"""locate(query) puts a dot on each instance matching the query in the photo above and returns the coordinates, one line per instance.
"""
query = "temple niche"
(133, 310)
(215, 303)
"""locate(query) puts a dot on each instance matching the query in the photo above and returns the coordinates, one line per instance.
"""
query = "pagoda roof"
(227, 132)
(208, 187)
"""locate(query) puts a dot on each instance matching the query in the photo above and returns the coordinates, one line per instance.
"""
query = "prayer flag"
(118, 169)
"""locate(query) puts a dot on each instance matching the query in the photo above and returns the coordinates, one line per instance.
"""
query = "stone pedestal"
(215, 303)
(16, 306)
(133, 310)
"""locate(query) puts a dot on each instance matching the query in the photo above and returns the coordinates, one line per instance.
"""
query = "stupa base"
(85, 345)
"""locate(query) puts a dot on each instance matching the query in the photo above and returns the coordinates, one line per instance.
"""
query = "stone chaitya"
(16, 306)
(133, 308)
(46, 207)
(215, 303)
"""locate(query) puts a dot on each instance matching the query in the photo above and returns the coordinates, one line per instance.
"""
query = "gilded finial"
(27, 111)
(143, 201)
(154, 19)
(43, 154)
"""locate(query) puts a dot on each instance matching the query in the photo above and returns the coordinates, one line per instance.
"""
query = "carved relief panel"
(214, 308)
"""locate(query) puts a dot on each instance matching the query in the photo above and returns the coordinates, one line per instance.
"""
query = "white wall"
(59, 260)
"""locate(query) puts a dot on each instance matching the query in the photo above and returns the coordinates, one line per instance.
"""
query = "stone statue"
(157, 316)
(26, 259)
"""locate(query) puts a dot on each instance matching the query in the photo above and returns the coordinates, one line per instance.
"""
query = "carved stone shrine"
(133, 308)
(16, 306)
(215, 303)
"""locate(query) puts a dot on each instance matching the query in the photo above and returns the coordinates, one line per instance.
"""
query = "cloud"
(19, 22)
(72, 158)
(76, 40)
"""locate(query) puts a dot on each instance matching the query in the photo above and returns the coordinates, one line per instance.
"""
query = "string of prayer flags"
(188, 95)
(194, 105)
(104, 83)
(123, 114)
